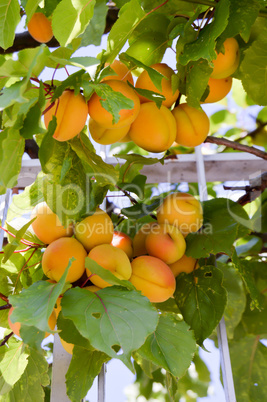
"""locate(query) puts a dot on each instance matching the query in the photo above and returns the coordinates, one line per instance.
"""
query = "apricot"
(40, 28)
(218, 88)
(153, 278)
(94, 230)
(71, 113)
(166, 242)
(124, 242)
(182, 210)
(92, 288)
(56, 259)
(15, 327)
(112, 259)
(107, 136)
(47, 225)
(154, 129)
(145, 82)
(139, 240)
(184, 264)
(68, 347)
(122, 71)
(148, 47)
(227, 61)
(192, 125)
(104, 118)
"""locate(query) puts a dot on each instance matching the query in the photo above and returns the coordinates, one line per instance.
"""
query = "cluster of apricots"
(150, 261)
(153, 129)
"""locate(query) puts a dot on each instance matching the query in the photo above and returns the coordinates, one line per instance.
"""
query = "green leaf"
(31, 7)
(31, 383)
(95, 29)
(85, 62)
(224, 221)
(171, 346)
(85, 365)
(112, 319)
(249, 366)
(69, 333)
(137, 186)
(201, 298)
(196, 81)
(13, 94)
(141, 210)
(9, 19)
(70, 19)
(134, 163)
(39, 55)
(13, 361)
(129, 16)
(255, 321)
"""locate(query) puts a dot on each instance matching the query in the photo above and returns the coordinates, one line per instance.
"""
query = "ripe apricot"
(192, 125)
(153, 278)
(92, 288)
(122, 71)
(107, 136)
(68, 347)
(56, 259)
(94, 230)
(112, 259)
(166, 242)
(139, 240)
(154, 129)
(104, 118)
(227, 61)
(145, 82)
(47, 225)
(182, 210)
(218, 88)
(124, 242)
(40, 28)
(184, 264)
(71, 113)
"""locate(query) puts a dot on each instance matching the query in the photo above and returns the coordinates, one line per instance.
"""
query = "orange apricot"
(227, 61)
(124, 242)
(92, 288)
(68, 347)
(104, 118)
(139, 240)
(184, 264)
(145, 82)
(40, 28)
(57, 256)
(107, 136)
(122, 71)
(153, 278)
(218, 89)
(192, 125)
(94, 230)
(154, 129)
(47, 225)
(71, 113)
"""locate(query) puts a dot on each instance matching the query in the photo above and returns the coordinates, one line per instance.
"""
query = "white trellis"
(186, 168)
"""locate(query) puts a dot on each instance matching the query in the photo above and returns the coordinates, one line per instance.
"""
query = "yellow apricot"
(92, 288)
(94, 230)
(71, 113)
(112, 259)
(107, 136)
(154, 129)
(124, 242)
(40, 28)
(104, 118)
(57, 256)
(122, 71)
(145, 82)
(184, 264)
(218, 89)
(139, 240)
(67, 346)
(47, 225)
(192, 125)
(227, 61)
(182, 210)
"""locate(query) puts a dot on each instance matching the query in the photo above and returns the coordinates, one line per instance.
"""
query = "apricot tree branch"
(6, 338)
(237, 146)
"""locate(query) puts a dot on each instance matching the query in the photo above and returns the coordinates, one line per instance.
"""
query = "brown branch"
(3, 297)
(237, 146)
(6, 307)
(253, 191)
(6, 338)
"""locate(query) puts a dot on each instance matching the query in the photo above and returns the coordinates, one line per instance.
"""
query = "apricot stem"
(6, 338)
(23, 241)
(6, 307)
(156, 8)
(3, 297)
(24, 265)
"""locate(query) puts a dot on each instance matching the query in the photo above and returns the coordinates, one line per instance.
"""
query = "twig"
(6, 338)
(3, 297)
(253, 191)
(237, 146)
(133, 200)
(6, 306)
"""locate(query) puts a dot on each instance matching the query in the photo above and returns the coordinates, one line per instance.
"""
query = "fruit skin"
(67, 346)
(112, 259)
(104, 118)
(40, 28)
(47, 225)
(56, 259)
(92, 288)
(182, 210)
(153, 278)
(71, 113)
(107, 136)
(139, 240)
(124, 242)
(122, 71)
(184, 264)
(145, 82)
(226, 63)
(219, 88)
(166, 242)
(192, 125)
(94, 230)
(154, 129)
